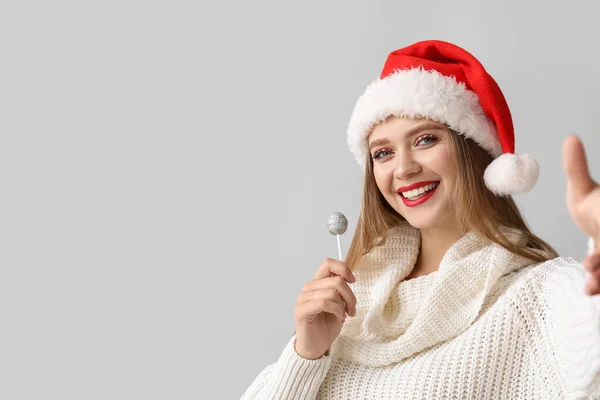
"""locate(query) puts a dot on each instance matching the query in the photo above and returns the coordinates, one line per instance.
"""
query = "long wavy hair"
(477, 208)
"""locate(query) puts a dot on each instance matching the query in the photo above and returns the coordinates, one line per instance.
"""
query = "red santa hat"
(444, 83)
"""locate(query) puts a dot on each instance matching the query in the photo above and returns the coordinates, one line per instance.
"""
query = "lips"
(420, 200)
(415, 186)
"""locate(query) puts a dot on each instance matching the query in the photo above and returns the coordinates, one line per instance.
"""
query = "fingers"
(328, 291)
(579, 181)
(331, 295)
(592, 264)
(334, 267)
(592, 286)
(337, 283)
(312, 308)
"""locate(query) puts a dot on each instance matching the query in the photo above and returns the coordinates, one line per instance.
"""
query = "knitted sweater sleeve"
(292, 377)
(564, 327)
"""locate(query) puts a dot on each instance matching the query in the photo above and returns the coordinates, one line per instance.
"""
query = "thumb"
(579, 182)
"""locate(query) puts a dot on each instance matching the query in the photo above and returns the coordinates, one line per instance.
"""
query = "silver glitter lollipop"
(337, 225)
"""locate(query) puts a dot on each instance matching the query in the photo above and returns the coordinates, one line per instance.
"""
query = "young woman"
(445, 292)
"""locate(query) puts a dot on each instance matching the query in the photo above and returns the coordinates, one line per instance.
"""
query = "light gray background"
(167, 169)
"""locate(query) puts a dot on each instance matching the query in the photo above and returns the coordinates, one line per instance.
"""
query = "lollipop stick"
(339, 247)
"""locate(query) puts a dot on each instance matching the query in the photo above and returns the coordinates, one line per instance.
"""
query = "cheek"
(381, 179)
(442, 162)
(448, 166)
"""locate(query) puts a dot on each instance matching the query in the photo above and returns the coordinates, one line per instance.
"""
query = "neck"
(435, 242)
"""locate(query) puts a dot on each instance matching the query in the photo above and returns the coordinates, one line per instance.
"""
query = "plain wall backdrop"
(167, 170)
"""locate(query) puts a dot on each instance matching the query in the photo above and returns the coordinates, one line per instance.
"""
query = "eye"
(381, 153)
(426, 139)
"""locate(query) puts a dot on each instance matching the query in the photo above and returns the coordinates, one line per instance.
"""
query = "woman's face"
(414, 169)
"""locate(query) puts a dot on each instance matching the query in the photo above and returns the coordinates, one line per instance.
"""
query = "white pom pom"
(511, 174)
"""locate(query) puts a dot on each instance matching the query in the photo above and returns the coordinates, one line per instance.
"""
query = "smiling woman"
(398, 155)
(452, 295)
(408, 155)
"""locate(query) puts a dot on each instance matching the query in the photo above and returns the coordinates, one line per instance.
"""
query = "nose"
(406, 166)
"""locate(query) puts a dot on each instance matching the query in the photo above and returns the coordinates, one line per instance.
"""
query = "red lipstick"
(415, 185)
(421, 200)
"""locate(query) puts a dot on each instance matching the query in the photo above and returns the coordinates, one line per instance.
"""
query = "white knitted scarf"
(377, 336)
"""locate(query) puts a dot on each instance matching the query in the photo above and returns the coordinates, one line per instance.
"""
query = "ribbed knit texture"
(534, 333)
(466, 274)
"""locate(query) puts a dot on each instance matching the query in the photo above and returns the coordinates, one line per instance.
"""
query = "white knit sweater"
(486, 325)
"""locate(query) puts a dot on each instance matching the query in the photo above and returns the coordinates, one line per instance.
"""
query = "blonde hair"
(477, 208)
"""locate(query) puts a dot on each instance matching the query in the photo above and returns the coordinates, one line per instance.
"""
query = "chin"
(427, 215)
(422, 223)
(424, 218)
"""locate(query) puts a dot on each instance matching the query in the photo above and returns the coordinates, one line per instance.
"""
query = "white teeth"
(417, 192)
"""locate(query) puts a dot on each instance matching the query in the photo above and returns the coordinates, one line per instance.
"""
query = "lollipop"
(337, 225)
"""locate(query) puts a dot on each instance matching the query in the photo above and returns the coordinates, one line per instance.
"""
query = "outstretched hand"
(583, 203)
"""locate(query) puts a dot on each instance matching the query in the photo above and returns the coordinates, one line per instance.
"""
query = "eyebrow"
(409, 133)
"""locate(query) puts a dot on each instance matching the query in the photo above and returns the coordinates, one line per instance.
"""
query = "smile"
(418, 196)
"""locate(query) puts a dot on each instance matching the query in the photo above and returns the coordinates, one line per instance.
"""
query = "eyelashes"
(421, 141)
(428, 136)
(378, 153)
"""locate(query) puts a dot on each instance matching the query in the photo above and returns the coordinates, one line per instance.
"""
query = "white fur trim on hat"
(511, 174)
(418, 93)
